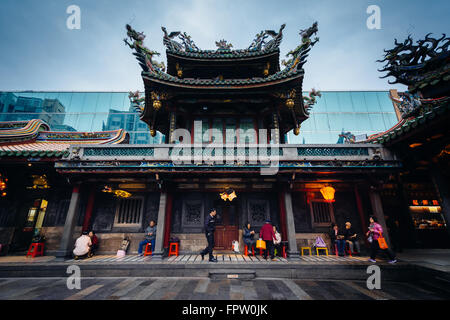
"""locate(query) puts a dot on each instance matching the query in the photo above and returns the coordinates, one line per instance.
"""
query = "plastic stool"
(36, 249)
(326, 250)
(306, 248)
(173, 249)
(148, 250)
(246, 250)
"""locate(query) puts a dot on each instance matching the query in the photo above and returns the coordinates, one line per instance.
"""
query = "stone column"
(67, 244)
(442, 187)
(159, 242)
(377, 209)
(290, 224)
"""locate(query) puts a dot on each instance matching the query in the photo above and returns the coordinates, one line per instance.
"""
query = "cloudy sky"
(39, 52)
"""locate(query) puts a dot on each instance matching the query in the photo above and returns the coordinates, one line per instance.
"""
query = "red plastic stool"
(173, 249)
(148, 250)
(36, 249)
(246, 250)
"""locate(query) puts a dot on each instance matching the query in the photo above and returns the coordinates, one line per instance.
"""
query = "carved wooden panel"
(258, 211)
(193, 213)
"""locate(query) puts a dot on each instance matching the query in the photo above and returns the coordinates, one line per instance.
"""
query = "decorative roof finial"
(223, 45)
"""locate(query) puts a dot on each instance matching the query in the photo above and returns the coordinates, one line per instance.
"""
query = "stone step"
(242, 274)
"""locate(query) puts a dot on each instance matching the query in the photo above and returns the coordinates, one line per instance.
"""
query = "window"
(129, 212)
(322, 214)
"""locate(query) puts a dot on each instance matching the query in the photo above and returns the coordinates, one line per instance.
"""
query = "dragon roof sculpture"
(425, 68)
(418, 65)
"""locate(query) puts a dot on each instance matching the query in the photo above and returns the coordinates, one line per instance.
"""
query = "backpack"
(320, 243)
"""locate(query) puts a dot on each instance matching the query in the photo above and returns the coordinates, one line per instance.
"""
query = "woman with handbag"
(377, 241)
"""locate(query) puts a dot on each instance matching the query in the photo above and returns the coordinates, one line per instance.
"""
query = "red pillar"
(282, 216)
(168, 220)
(89, 209)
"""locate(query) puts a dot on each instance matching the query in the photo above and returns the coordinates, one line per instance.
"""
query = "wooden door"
(226, 228)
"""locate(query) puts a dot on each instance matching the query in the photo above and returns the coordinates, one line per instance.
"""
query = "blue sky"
(38, 52)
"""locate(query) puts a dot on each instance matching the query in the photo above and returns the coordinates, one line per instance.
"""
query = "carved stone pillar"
(66, 243)
(377, 209)
(290, 224)
(159, 241)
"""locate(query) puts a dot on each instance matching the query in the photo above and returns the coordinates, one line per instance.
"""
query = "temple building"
(229, 121)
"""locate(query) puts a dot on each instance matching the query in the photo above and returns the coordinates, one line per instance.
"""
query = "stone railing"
(222, 153)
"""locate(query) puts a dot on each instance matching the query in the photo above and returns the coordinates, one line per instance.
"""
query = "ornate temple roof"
(281, 76)
(185, 47)
(34, 139)
(192, 72)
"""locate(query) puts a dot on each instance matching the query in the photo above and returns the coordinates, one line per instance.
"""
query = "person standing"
(268, 236)
(277, 241)
(210, 227)
(375, 232)
(150, 236)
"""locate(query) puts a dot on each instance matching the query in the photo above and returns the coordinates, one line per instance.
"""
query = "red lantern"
(328, 193)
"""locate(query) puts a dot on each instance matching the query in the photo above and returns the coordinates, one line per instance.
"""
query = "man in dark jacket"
(351, 237)
(268, 235)
(210, 227)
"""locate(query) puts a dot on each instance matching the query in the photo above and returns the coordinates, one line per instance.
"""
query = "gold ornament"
(290, 103)
(296, 131)
(157, 104)
(152, 132)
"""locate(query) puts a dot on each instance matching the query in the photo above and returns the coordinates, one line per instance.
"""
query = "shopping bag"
(260, 244)
(382, 242)
(235, 245)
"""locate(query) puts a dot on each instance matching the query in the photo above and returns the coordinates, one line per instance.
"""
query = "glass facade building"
(358, 112)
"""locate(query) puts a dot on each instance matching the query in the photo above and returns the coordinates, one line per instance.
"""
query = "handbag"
(382, 242)
(260, 244)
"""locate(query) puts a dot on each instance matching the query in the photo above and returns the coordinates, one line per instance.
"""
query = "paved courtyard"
(206, 289)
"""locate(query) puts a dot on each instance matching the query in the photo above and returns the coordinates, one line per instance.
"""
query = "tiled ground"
(206, 289)
(222, 258)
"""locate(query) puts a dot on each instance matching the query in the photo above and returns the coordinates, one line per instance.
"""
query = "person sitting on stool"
(351, 237)
(210, 227)
(150, 236)
(248, 238)
(337, 238)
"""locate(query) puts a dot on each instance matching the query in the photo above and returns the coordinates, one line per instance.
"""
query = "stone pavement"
(437, 259)
(207, 289)
(190, 259)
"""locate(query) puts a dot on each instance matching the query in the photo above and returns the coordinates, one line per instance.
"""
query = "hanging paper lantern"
(328, 193)
(228, 194)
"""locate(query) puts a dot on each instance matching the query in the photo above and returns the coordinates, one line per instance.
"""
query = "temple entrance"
(227, 228)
